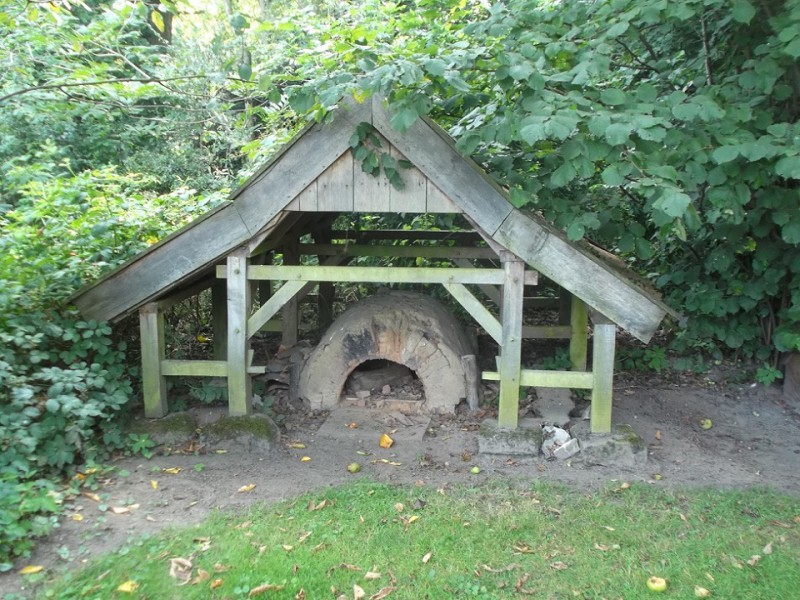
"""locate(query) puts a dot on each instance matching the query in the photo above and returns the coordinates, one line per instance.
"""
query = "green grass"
(488, 542)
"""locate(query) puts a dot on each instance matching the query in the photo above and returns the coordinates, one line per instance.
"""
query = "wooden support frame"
(238, 295)
(511, 342)
(290, 312)
(477, 310)
(603, 349)
(442, 252)
(579, 334)
(154, 384)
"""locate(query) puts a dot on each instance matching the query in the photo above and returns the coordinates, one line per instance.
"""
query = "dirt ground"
(754, 441)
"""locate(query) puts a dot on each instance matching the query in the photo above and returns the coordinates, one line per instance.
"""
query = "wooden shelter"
(297, 196)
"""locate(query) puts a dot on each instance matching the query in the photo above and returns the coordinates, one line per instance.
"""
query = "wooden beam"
(290, 313)
(603, 347)
(511, 343)
(582, 380)
(284, 294)
(239, 382)
(579, 338)
(406, 234)
(477, 310)
(378, 274)
(491, 291)
(154, 385)
(444, 252)
(326, 291)
(546, 332)
(194, 368)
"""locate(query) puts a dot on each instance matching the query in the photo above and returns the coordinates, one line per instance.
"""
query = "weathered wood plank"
(412, 197)
(583, 275)
(581, 380)
(239, 382)
(186, 292)
(195, 368)
(444, 252)
(307, 200)
(473, 381)
(579, 338)
(377, 274)
(290, 313)
(490, 291)
(407, 234)
(154, 385)
(370, 192)
(477, 310)
(268, 310)
(511, 343)
(438, 202)
(546, 332)
(459, 178)
(335, 186)
(603, 348)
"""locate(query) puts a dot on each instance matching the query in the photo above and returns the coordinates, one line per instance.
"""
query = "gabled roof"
(258, 208)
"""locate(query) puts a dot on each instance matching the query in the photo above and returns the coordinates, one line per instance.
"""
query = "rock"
(254, 433)
(622, 447)
(386, 390)
(569, 449)
(363, 394)
(553, 438)
(525, 440)
(172, 430)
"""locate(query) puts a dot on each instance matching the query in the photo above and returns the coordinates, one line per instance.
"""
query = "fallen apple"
(354, 467)
(656, 584)
(706, 424)
(475, 470)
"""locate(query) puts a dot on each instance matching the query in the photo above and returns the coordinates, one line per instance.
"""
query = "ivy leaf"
(743, 11)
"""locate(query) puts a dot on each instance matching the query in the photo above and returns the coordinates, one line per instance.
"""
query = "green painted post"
(603, 347)
(579, 334)
(154, 384)
(238, 293)
(511, 344)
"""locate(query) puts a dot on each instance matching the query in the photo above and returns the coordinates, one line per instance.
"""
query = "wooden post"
(473, 381)
(511, 343)
(565, 304)
(154, 384)
(579, 334)
(603, 344)
(219, 319)
(325, 291)
(290, 309)
(239, 383)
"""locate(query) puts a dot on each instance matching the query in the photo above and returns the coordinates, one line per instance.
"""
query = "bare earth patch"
(754, 441)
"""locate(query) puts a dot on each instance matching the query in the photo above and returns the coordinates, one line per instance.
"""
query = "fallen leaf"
(625, 486)
(767, 549)
(120, 510)
(267, 587)
(92, 496)
(358, 592)
(77, 517)
(372, 575)
(608, 528)
(427, 558)
(658, 434)
(128, 587)
(345, 566)
(215, 584)
(246, 488)
(303, 537)
(521, 581)
(201, 577)
(287, 547)
(385, 441)
(301, 595)
(318, 506)
(180, 569)
(754, 560)
(683, 517)
(522, 548)
(352, 425)
(297, 445)
(149, 518)
(172, 470)
(601, 547)
(154, 484)
(710, 577)
(382, 593)
(203, 543)
(558, 566)
(399, 507)
(510, 567)
(305, 459)
(31, 569)
(220, 568)
(701, 592)
(318, 547)
(386, 461)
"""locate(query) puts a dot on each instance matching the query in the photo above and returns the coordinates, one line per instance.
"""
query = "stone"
(171, 430)
(525, 440)
(363, 394)
(553, 438)
(567, 450)
(386, 390)
(622, 447)
(553, 405)
(254, 433)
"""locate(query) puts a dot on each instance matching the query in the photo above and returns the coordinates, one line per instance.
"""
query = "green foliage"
(27, 510)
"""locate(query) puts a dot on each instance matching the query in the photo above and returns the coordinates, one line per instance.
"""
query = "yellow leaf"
(154, 484)
(385, 441)
(92, 496)
(372, 575)
(625, 486)
(267, 587)
(247, 488)
(399, 507)
(215, 584)
(427, 557)
(305, 459)
(157, 19)
(120, 510)
(172, 470)
(31, 569)
(201, 577)
(701, 592)
(413, 518)
(297, 445)
(287, 547)
(128, 587)
(77, 517)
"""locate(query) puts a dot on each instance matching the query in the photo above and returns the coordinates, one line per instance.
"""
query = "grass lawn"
(373, 541)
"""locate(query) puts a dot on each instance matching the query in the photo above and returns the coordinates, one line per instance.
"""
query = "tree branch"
(58, 86)
(706, 52)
